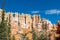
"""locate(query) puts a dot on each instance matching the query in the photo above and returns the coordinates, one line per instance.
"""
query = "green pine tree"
(3, 28)
(9, 27)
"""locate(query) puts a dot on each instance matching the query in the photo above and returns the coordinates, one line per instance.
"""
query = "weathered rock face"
(58, 28)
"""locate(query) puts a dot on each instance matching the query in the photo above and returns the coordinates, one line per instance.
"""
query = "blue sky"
(49, 9)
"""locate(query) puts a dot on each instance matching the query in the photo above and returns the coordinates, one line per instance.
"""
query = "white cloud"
(53, 11)
(0, 9)
(35, 11)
